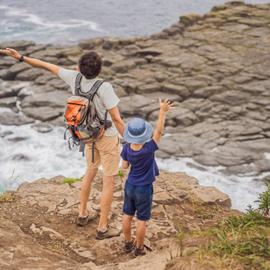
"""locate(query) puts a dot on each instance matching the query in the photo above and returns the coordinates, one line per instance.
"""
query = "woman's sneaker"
(129, 246)
(139, 252)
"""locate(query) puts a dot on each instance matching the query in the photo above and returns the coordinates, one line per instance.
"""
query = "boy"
(139, 153)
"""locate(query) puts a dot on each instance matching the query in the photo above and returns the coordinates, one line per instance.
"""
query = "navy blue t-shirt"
(144, 168)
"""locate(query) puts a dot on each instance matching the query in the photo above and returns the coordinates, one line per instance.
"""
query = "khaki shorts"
(106, 153)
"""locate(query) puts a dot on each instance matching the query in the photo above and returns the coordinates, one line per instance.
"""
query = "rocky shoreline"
(38, 231)
(215, 67)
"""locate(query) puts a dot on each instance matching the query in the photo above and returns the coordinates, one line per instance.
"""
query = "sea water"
(67, 21)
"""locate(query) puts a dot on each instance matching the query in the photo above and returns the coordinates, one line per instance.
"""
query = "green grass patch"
(7, 197)
(244, 239)
(120, 173)
(71, 180)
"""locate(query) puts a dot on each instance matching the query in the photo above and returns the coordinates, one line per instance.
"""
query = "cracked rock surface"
(215, 67)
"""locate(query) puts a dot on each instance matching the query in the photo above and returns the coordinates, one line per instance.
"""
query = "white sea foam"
(47, 155)
(54, 26)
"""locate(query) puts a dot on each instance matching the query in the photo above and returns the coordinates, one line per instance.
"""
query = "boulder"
(176, 89)
(148, 51)
(42, 113)
(190, 19)
(211, 195)
(29, 75)
(8, 102)
(123, 66)
(51, 99)
(6, 62)
(11, 73)
(11, 118)
(42, 127)
(19, 45)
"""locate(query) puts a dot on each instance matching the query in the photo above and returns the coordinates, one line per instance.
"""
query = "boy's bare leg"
(106, 201)
(127, 227)
(140, 233)
(85, 190)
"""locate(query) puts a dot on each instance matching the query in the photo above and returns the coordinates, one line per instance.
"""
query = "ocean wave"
(37, 21)
(26, 155)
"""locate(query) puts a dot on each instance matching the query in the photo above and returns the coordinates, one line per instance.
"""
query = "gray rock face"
(43, 113)
(10, 119)
(11, 73)
(20, 45)
(51, 99)
(29, 75)
(215, 67)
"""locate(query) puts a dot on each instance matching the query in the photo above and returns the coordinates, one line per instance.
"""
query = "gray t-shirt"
(105, 99)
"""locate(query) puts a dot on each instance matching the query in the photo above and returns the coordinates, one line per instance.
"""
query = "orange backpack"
(81, 117)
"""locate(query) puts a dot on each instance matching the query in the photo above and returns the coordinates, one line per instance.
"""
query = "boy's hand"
(11, 52)
(165, 105)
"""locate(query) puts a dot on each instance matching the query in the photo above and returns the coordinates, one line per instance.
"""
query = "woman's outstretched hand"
(11, 52)
(166, 105)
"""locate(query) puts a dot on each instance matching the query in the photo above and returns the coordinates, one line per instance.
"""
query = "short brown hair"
(90, 65)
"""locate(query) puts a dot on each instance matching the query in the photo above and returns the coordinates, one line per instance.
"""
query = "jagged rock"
(33, 256)
(20, 157)
(51, 99)
(42, 127)
(176, 89)
(19, 45)
(208, 91)
(29, 75)
(110, 43)
(6, 62)
(11, 118)
(90, 44)
(11, 73)
(44, 79)
(211, 195)
(190, 19)
(148, 51)
(43, 113)
(8, 102)
(10, 90)
(123, 66)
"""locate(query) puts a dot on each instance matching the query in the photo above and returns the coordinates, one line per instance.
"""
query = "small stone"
(42, 127)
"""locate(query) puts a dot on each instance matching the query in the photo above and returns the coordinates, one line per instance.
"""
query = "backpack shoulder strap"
(92, 92)
(78, 84)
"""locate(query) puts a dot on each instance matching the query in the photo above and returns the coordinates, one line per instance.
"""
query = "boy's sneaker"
(129, 246)
(109, 233)
(139, 252)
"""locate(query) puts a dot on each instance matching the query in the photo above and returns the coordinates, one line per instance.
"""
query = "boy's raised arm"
(165, 106)
(31, 61)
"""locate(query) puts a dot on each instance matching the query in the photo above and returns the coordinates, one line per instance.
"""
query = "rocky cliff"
(215, 67)
(38, 231)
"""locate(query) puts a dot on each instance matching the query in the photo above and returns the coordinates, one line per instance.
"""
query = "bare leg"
(106, 201)
(85, 190)
(127, 227)
(140, 233)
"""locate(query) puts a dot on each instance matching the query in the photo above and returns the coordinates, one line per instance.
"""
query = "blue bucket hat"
(138, 131)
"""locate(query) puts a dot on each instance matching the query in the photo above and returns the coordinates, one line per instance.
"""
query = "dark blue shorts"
(138, 199)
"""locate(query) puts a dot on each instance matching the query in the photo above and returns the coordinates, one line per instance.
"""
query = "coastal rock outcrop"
(38, 231)
(215, 67)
